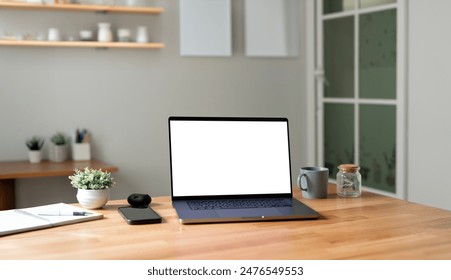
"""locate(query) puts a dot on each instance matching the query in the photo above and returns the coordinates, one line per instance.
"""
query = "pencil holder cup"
(81, 151)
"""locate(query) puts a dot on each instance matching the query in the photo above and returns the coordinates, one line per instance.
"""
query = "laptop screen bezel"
(251, 119)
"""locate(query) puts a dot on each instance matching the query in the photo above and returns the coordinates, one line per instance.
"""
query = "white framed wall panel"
(272, 28)
(205, 28)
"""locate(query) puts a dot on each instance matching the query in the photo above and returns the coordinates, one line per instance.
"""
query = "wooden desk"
(370, 227)
(9, 171)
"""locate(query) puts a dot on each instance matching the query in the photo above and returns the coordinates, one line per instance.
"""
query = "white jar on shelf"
(137, 3)
(101, 2)
(104, 33)
(141, 35)
(54, 35)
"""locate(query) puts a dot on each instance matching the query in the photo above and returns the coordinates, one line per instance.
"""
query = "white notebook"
(40, 217)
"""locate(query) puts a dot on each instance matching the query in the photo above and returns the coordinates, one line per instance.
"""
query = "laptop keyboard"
(238, 203)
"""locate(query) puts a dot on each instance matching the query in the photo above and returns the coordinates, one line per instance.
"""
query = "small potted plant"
(34, 145)
(92, 185)
(59, 149)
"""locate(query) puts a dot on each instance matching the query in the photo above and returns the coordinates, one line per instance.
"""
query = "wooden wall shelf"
(81, 7)
(78, 44)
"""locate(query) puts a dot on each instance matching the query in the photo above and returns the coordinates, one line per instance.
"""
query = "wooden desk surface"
(369, 227)
(25, 169)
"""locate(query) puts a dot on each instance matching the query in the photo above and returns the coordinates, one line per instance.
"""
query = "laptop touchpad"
(248, 213)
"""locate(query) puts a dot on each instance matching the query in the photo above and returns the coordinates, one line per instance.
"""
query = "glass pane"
(377, 48)
(339, 57)
(338, 136)
(378, 146)
(333, 6)
(371, 3)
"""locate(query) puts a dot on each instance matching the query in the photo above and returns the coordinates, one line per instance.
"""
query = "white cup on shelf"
(123, 35)
(86, 35)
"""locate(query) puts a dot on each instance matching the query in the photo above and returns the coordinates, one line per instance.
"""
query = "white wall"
(429, 103)
(125, 96)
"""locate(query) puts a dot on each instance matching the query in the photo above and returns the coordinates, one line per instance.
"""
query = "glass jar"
(349, 180)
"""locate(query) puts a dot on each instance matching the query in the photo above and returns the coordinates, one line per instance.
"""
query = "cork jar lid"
(352, 168)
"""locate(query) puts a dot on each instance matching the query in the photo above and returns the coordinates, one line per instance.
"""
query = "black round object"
(139, 200)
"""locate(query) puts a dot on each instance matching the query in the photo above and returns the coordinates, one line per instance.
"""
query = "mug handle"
(299, 181)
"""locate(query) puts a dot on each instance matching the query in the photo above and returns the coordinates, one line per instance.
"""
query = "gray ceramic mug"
(313, 182)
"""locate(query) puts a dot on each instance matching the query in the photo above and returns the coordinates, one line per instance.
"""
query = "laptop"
(232, 169)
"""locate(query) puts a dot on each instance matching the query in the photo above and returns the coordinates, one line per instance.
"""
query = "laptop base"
(298, 211)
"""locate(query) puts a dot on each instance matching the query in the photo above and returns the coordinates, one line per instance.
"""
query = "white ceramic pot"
(35, 156)
(58, 153)
(92, 199)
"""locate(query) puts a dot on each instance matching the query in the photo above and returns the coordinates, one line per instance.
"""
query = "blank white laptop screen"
(210, 158)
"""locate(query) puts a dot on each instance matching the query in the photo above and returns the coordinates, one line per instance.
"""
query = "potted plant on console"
(92, 185)
(34, 145)
(59, 148)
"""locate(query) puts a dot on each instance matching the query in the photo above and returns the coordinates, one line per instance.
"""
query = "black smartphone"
(139, 216)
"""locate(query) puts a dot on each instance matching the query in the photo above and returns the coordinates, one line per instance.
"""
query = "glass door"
(360, 90)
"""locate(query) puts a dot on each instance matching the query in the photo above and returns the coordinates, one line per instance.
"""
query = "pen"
(86, 137)
(77, 136)
(59, 213)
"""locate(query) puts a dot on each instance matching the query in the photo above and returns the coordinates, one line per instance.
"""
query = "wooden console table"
(12, 170)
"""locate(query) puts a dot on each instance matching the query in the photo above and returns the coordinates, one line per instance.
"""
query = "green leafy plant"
(59, 139)
(92, 179)
(35, 143)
